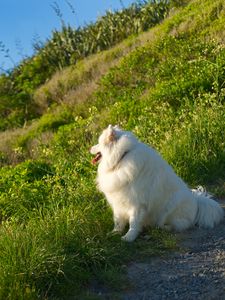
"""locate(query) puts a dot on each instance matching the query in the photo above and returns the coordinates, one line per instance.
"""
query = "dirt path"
(196, 271)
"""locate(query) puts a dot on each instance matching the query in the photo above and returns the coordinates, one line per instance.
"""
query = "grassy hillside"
(66, 47)
(168, 86)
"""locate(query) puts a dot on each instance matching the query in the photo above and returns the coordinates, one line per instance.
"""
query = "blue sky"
(23, 20)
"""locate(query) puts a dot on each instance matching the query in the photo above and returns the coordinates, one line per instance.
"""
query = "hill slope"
(166, 85)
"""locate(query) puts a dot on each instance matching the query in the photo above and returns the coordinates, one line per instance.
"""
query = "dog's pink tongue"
(96, 158)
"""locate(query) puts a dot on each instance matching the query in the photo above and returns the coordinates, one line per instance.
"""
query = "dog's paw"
(129, 237)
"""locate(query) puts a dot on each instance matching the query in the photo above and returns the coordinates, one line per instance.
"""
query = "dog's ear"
(111, 134)
(117, 127)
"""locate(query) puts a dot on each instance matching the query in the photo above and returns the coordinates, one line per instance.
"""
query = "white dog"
(143, 189)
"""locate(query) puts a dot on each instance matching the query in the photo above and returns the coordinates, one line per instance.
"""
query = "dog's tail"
(209, 213)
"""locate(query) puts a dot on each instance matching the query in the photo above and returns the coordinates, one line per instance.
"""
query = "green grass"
(170, 92)
(54, 234)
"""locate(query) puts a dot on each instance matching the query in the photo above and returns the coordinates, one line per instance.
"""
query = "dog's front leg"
(135, 225)
(119, 222)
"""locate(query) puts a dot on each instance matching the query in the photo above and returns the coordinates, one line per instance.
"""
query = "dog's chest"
(119, 202)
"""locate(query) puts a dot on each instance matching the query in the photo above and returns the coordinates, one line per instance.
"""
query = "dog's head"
(113, 140)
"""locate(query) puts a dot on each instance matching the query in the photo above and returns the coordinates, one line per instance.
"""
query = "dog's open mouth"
(96, 158)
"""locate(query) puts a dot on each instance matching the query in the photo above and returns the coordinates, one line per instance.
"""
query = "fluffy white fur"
(144, 190)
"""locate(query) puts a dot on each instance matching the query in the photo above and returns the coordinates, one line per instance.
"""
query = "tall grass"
(69, 45)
